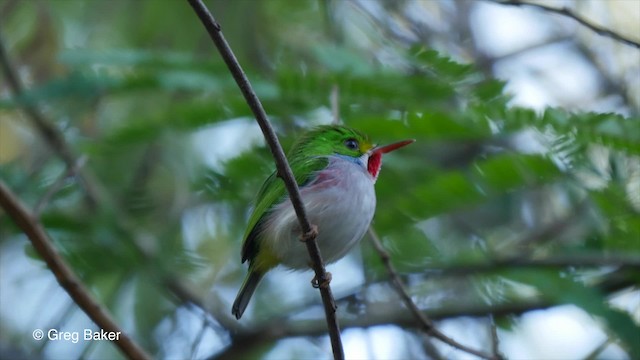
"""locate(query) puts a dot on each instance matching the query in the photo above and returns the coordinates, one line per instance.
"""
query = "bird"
(336, 168)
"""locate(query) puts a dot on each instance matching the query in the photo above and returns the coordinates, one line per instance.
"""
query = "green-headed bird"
(335, 168)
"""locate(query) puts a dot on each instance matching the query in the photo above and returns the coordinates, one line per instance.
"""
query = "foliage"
(469, 190)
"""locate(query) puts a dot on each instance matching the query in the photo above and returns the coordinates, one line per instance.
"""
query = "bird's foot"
(312, 234)
(324, 284)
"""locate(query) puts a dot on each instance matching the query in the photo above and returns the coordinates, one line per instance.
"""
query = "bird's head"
(340, 140)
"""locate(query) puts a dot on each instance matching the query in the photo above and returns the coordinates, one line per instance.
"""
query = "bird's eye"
(351, 144)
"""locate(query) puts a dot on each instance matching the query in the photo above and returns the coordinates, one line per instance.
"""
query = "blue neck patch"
(355, 160)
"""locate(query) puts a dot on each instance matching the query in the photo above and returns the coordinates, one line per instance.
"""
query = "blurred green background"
(504, 211)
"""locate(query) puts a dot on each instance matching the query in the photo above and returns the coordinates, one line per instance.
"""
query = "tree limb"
(495, 341)
(564, 11)
(425, 323)
(93, 188)
(57, 142)
(263, 334)
(246, 339)
(309, 232)
(63, 273)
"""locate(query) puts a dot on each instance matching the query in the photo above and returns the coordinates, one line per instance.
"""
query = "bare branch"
(262, 334)
(495, 342)
(309, 232)
(593, 355)
(57, 142)
(63, 273)
(277, 329)
(91, 185)
(426, 323)
(564, 11)
(196, 342)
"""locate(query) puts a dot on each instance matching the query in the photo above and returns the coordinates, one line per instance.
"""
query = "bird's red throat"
(375, 162)
(375, 159)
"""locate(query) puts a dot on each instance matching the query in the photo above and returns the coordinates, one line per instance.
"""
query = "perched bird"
(335, 168)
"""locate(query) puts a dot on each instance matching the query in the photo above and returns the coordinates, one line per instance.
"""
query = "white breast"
(341, 202)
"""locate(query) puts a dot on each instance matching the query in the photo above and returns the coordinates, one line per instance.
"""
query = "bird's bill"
(391, 147)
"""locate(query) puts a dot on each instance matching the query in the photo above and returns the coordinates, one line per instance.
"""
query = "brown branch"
(196, 342)
(495, 341)
(244, 340)
(94, 190)
(52, 136)
(309, 232)
(564, 11)
(426, 323)
(263, 334)
(593, 355)
(57, 142)
(63, 273)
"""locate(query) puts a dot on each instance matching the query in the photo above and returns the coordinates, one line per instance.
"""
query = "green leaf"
(489, 178)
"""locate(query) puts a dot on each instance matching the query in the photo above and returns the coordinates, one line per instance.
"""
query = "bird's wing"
(272, 193)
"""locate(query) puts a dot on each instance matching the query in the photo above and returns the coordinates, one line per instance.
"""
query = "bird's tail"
(244, 295)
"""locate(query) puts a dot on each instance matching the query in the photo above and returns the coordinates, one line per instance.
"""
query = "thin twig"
(93, 188)
(63, 273)
(50, 133)
(309, 232)
(196, 342)
(426, 323)
(593, 355)
(564, 11)
(262, 334)
(246, 339)
(495, 341)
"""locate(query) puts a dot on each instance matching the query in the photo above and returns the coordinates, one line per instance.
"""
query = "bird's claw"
(324, 284)
(312, 234)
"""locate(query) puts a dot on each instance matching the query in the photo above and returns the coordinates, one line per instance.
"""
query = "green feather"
(272, 193)
(307, 156)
